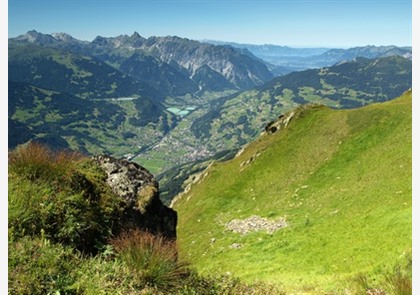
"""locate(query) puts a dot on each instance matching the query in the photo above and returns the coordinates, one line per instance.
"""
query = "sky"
(297, 23)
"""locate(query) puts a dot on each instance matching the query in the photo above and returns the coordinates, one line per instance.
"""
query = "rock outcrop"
(139, 191)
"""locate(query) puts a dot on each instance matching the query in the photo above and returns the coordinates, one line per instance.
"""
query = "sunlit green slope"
(341, 179)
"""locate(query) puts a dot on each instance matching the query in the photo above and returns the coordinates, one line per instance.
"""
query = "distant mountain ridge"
(180, 58)
(284, 59)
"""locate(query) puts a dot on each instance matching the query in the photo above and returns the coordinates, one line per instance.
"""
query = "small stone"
(235, 246)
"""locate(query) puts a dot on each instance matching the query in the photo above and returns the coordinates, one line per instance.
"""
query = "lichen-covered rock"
(140, 192)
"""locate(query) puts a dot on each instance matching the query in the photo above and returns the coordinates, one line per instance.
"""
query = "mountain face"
(107, 95)
(240, 70)
(321, 199)
(166, 97)
(158, 74)
(168, 64)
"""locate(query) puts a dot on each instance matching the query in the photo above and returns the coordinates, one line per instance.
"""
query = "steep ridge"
(339, 183)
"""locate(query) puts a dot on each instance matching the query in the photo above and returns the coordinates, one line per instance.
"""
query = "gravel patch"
(255, 223)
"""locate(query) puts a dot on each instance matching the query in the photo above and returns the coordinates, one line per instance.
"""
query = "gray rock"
(139, 191)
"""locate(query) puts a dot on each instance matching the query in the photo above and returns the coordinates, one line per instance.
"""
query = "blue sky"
(339, 23)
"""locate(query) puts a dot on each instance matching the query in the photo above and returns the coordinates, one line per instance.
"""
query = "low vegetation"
(341, 180)
(63, 236)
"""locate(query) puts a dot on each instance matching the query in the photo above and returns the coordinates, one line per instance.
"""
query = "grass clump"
(396, 280)
(35, 161)
(152, 258)
(155, 268)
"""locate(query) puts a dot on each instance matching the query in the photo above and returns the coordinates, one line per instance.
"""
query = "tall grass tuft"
(399, 280)
(152, 258)
(36, 161)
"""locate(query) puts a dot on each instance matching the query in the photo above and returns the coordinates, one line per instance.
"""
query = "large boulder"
(140, 191)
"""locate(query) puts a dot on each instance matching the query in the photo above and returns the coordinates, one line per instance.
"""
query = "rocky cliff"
(140, 191)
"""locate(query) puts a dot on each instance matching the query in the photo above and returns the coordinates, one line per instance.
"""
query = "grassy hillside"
(67, 235)
(340, 179)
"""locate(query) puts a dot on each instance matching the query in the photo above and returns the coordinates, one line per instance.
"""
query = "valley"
(177, 101)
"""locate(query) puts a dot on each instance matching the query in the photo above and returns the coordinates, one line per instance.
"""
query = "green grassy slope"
(342, 180)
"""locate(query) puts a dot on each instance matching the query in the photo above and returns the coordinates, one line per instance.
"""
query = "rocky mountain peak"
(63, 37)
(37, 38)
(136, 35)
(100, 41)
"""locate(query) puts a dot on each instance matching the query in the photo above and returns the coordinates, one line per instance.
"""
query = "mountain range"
(170, 101)
(282, 60)
(171, 65)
